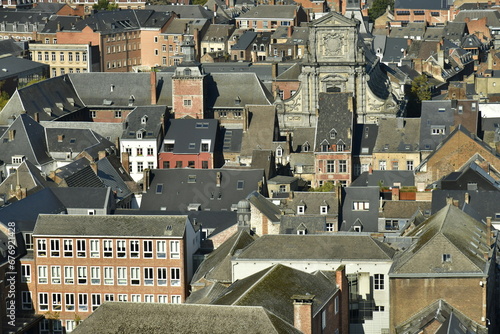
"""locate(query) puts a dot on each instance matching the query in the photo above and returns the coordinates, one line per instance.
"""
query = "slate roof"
(9, 47)
(244, 40)
(292, 73)
(309, 224)
(367, 219)
(450, 231)
(51, 99)
(492, 16)
(271, 12)
(316, 247)
(393, 47)
(263, 72)
(485, 202)
(178, 190)
(420, 4)
(386, 178)
(147, 119)
(83, 197)
(334, 115)
(111, 173)
(57, 23)
(205, 295)
(312, 201)
(178, 26)
(398, 135)
(186, 132)
(27, 176)
(126, 317)
(404, 209)
(365, 136)
(29, 141)
(301, 136)
(231, 139)
(216, 267)
(78, 173)
(111, 225)
(434, 33)
(273, 288)
(185, 11)
(261, 130)
(218, 33)
(93, 88)
(76, 141)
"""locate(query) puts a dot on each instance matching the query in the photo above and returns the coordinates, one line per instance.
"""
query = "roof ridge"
(247, 291)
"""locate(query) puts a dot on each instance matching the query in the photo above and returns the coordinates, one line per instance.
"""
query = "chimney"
(36, 117)
(125, 161)
(152, 82)
(102, 154)
(93, 165)
(60, 138)
(370, 170)
(467, 198)
(449, 200)
(146, 179)
(302, 313)
(400, 121)
(343, 286)
(12, 134)
(395, 193)
(489, 230)
(289, 31)
(274, 70)
(246, 121)
(290, 195)
(218, 179)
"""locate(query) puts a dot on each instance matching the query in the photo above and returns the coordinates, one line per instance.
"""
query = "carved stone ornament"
(333, 44)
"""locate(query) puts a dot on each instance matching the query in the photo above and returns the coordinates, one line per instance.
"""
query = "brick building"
(76, 258)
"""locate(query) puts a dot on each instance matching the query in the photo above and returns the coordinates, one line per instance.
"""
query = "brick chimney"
(302, 313)
(153, 87)
(60, 138)
(12, 134)
(395, 193)
(125, 161)
(146, 179)
(102, 155)
(218, 177)
(343, 286)
(467, 198)
(274, 70)
(489, 230)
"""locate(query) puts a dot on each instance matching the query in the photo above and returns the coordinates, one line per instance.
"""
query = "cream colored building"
(65, 58)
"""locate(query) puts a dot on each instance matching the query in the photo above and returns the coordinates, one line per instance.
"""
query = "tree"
(199, 2)
(326, 187)
(4, 98)
(421, 89)
(105, 5)
(378, 8)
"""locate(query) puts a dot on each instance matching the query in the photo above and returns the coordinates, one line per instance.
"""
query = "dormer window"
(279, 151)
(17, 159)
(323, 209)
(325, 146)
(302, 232)
(301, 209)
(333, 134)
(205, 145)
(306, 147)
(187, 72)
(446, 258)
(340, 146)
(169, 145)
(139, 134)
(144, 119)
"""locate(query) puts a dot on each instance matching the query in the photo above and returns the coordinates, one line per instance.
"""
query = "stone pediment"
(334, 19)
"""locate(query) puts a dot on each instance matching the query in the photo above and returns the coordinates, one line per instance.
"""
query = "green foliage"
(199, 2)
(421, 89)
(379, 7)
(105, 5)
(4, 98)
(326, 187)
(34, 81)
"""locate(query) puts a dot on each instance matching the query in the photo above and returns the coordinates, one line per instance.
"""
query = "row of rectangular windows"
(108, 248)
(96, 299)
(62, 56)
(108, 275)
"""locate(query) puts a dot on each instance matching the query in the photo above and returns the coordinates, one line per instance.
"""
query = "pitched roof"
(148, 120)
(421, 4)
(261, 130)
(13, 66)
(309, 224)
(217, 265)
(61, 140)
(26, 176)
(78, 173)
(189, 134)
(182, 187)
(386, 178)
(111, 173)
(83, 197)
(404, 209)
(334, 117)
(271, 12)
(312, 202)
(265, 206)
(449, 231)
(398, 135)
(273, 288)
(111, 225)
(154, 318)
(316, 247)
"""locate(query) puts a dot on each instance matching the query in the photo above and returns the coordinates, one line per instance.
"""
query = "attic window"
(159, 188)
(301, 209)
(442, 109)
(306, 147)
(72, 140)
(446, 258)
(302, 232)
(194, 207)
(240, 184)
(192, 179)
(144, 119)
(333, 134)
(323, 209)
(112, 88)
(192, 146)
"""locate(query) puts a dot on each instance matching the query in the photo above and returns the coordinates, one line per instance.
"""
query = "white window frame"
(147, 252)
(82, 275)
(56, 301)
(95, 275)
(107, 248)
(25, 273)
(96, 301)
(55, 274)
(43, 301)
(378, 282)
(43, 274)
(161, 249)
(134, 249)
(108, 276)
(83, 302)
(163, 299)
(162, 276)
(175, 277)
(69, 279)
(121, 248)
(41, 247)
(81, 248)
(68, 247)
(175, 249)
(121, 275)
(122, 297)
(149, 276)
(175, 299)
(135, 276)
(94, 248)
(26, 300)
(69, 301)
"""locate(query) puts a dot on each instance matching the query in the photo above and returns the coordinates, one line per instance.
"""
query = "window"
(70, 56)
(162, 276)
(25, 273)
(96, 301)
(108, 276)
(118, 114)
(139, 152)
(135, 276)
(81, 249)
(69, 276)
(150, 151)
(392, 224)
(70, 325)
(301, 209)
(122, 275)
(240, 184)
(95, 275)
(42, 275)
(149, 298)
(330, 166)
(187, 103)
(163, 299)
(446, 258)
(82, 274)
(395, 165)
(382, 165)
(323, 209)
(409, 164)
(438, 130)
(342, 166)
(46, 56)
(174, 250)
(107, 248)
(39, 56)
(94, 248)
(56, 301)
(69, 299)
(83, 302)
(378, 282)
(135, 298)
(361, 205)
(204, 164)
(148, 276)
(27, 303)
(28, 240)
(204, 147)
(161, 252)
(68, 247)
(176, 299)
(329, 227)
(140, 167)
(121, 249)
(55, 274)
(148, 249)
(77, 56)
(53, 56)
(134, 248)
(43, 301)
(109, 297)
(379, 308)
(42, 247)
(122, 298)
